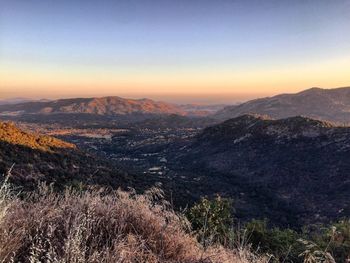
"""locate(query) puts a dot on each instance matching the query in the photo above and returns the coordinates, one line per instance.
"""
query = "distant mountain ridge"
(99, 106)
(10, 101)
(324, 104)
(13, 101)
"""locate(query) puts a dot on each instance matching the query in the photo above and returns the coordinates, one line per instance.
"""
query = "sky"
(176, 50)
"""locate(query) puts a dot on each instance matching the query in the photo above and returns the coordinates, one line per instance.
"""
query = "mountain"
(292, 171)
(19, 100)
(14, 101)
(324, 104)
(99, 106)
(37, 158)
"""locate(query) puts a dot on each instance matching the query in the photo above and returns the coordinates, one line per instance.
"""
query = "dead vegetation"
(93, 226)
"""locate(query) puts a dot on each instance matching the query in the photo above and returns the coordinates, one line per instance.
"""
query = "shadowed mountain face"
(292, 171)
(100, 106)
(325, 104)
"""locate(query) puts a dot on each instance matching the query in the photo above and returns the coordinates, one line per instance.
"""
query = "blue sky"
(171, 39)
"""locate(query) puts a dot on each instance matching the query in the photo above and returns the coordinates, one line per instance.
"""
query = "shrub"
(281, 243)
(212, 220)
(333, 239)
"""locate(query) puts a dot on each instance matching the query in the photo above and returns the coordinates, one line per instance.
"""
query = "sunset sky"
(216, 50)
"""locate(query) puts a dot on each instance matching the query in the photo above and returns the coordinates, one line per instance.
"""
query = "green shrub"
(335, 239)
(281, 243)
(212, 220)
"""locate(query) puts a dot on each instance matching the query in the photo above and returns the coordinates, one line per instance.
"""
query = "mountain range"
(105, 106)
(324, 104)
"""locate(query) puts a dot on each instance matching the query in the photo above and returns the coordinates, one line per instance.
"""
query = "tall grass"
(5, 196)
(93, 226)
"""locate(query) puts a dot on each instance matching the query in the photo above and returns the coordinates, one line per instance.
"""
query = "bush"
(281, 243)
(212, 220)
(334, 239)
(316, 243)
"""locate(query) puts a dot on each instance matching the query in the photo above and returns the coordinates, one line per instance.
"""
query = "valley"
(275, 169)
(175, 131)
(292, 172)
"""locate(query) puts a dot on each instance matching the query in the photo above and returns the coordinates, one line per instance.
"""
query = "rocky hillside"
(44, 158)
(100, 106)
(292, 171)
(325, 104)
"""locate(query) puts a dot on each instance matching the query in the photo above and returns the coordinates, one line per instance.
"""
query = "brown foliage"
(11, 134)
(95, 227)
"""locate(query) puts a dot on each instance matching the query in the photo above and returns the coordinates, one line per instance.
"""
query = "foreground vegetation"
(94, 226)
(213, 221)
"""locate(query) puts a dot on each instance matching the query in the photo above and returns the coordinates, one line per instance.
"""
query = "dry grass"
(5, 196)
(94, 227)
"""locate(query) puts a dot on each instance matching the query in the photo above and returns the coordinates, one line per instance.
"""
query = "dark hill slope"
(44, 158)
(325, 104)
(292, 171)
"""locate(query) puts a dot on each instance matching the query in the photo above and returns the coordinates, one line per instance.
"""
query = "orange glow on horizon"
(21, 80)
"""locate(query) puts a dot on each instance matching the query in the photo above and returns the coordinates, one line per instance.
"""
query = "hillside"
(292, 171)
(44, 158)
(99, 106)
(325, 104)
(9, 133)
